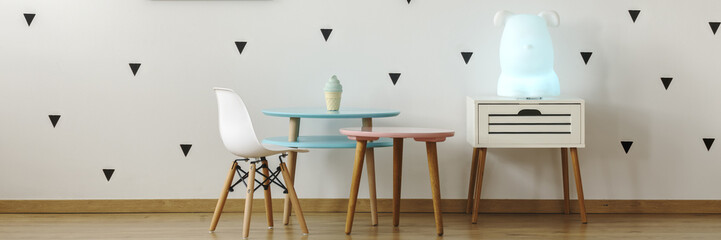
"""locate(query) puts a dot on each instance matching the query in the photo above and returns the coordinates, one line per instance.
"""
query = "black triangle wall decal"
(634, 14)
(134, 67)
(326, 33)
(240, 46)
(626, 145)
(394, 77)
(108, 173)
(708, 142)
(409, 1)
(186, 148)
(29, 17)
(666, 82)
(586, 56)
(714, 26)
(54, 119)
(466, 56)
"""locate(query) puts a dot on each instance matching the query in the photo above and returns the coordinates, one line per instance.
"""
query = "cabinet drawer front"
(498, 120)
(529, 124)
(530, 129)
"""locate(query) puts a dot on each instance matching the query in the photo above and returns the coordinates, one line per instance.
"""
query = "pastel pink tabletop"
(419, 134)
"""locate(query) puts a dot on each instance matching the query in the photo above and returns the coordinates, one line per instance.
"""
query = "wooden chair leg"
(355, 184)
(293, 132)
(564, 170)
(397, 170)
(223, 197)
(268, 196)
(294, 198)
(479, 184)
(249, 201)
(371, 169)
(579, 186)
(435, 185)
(287, 206)
(472, 180)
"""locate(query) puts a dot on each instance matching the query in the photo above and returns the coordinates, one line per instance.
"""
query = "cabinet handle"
(529, 112)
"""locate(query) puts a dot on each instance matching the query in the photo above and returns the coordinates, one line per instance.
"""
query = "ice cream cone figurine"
(333, 90)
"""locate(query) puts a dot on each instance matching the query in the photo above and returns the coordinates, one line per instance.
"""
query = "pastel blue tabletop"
(332, 141)
(320, 112)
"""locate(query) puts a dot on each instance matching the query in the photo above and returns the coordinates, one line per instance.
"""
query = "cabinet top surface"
(498, 99)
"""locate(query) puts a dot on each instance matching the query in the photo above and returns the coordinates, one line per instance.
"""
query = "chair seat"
(327, 141)
(270, 150)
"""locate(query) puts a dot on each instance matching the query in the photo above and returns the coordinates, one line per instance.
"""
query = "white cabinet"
(498, 122)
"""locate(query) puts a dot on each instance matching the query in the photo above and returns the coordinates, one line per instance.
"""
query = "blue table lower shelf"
(328, 141)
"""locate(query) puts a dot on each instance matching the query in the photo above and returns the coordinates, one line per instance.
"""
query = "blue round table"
(313, 112)
(332, 141)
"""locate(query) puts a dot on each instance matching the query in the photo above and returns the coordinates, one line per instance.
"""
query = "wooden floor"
(330, 226)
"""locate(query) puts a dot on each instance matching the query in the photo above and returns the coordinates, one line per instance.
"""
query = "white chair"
(238, 135)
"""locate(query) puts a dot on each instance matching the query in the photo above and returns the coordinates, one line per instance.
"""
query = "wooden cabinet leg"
(223, 197)
(294, 130)
(371, 170)
(579, 186)
(248, 201)
(268, 196)
(293, 197)
(432, 153)
(472, 180)
(479, 184)
(564, 170)
(397, 170)
(355, 184)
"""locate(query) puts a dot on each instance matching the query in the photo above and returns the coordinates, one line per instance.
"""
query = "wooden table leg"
(435, 185)
(579, 186)
(248, 201)
(397, 170)
(564, 170)
(293, 132)
(371, 170)
(223, 197)
(479, 184)
(293, 198)
(268, 196)
(355, 184)
(472, 180)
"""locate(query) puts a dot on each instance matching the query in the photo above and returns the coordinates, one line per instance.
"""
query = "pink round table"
(428, 135)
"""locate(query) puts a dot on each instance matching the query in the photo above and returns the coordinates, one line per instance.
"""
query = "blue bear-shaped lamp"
(527, 55)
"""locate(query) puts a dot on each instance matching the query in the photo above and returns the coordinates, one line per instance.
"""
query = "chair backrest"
(236, 129)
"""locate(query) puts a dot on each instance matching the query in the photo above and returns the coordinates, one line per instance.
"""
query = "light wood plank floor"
(330, 226)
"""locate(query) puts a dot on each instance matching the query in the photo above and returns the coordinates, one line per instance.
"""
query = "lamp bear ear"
(551, 17)
(500, 18)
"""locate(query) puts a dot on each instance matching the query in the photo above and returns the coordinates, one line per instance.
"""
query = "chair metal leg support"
(269, 177)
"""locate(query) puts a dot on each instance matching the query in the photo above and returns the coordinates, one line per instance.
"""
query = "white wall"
(73, 60)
